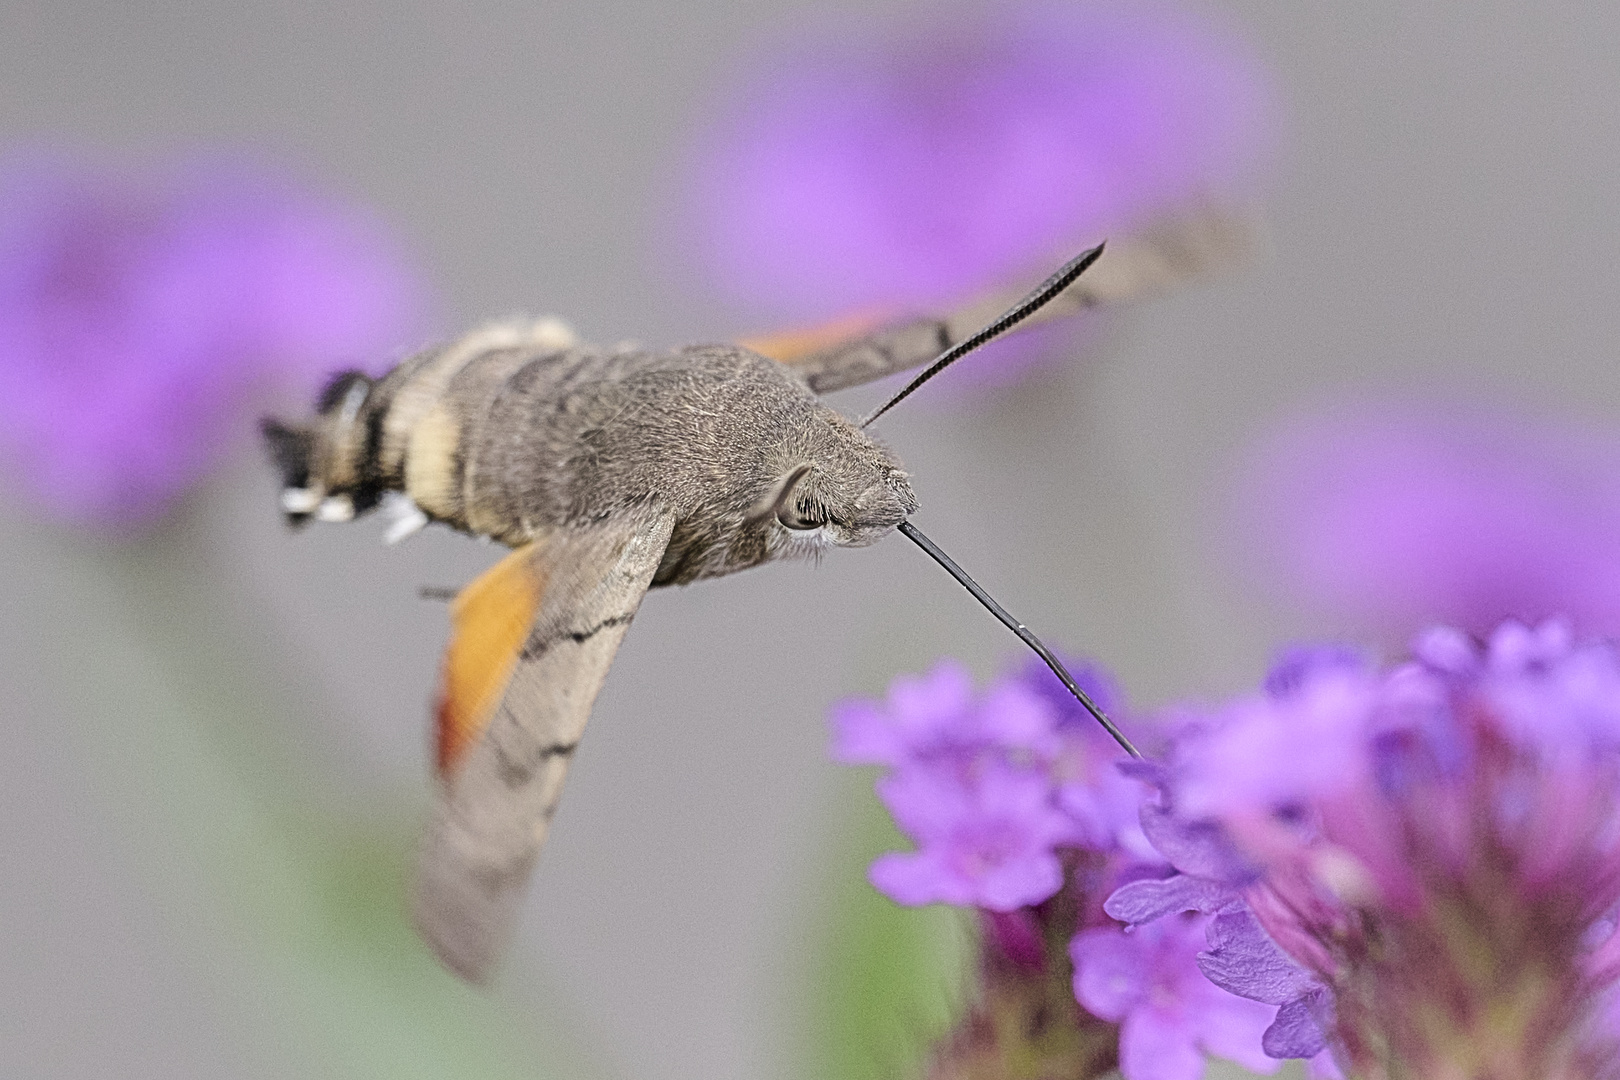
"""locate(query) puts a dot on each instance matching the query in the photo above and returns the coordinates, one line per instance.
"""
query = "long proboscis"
(1044, 294)
(1024, 633)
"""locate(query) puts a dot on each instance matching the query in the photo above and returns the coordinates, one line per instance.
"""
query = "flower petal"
(1154, 1045)
(1245, 961)
(1296, 1033)
(1144, 901)
(1111, 972)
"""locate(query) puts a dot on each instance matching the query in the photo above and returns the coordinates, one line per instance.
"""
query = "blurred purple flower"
(1392, 516)
(904, 166)
(142, 312)
(989, 843)
(1170, 1015)
(1447, 892)
(937, 719)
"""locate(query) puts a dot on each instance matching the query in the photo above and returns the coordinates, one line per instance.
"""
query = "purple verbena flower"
(1019, 808)
(989, 842)
(1442, 900)
(992, 785)
(938, 719)
(141, 312)
(1170, 1015)
(896, 166)
(1391, 515)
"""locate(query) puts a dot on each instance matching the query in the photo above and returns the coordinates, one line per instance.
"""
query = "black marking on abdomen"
(537, 645)
(368, 469)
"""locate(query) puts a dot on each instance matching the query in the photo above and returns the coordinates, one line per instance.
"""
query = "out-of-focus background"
(214, 755)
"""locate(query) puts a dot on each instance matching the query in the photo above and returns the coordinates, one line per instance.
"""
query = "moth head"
(847, 491)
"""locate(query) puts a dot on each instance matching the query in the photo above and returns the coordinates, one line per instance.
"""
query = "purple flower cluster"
(991, 786)
(1419, 866)
(142, 311)
(873, 167)
(1018, 806)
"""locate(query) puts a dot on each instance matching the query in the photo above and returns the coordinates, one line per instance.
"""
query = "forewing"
(532, 642)
(1131, 268)
(793, 347)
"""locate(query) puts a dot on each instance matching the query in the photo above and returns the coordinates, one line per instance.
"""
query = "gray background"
(1445, 215)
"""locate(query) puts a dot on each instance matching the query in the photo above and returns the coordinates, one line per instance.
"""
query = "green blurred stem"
(884, 982)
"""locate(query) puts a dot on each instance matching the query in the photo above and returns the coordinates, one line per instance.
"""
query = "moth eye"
(793, 518)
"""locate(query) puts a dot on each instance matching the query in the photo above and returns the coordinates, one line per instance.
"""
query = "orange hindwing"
(490, 618)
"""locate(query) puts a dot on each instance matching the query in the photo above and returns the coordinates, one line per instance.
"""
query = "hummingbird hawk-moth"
(608, 473)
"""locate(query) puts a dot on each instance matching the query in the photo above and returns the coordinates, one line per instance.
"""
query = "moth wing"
(792, 347)
(533, 638)
(852, 352)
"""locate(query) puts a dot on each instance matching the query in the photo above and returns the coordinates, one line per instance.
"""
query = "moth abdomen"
(403, 432)
(437, 414)
(323, 461)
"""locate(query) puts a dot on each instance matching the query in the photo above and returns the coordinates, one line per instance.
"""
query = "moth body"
(511, 433)
(609, 472)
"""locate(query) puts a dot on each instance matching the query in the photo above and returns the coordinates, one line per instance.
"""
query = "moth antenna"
(1045, 293)
(441, 593)
(1024, 633)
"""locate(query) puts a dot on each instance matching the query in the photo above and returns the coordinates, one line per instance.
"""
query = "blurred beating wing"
(852, 352)
(533, 638)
